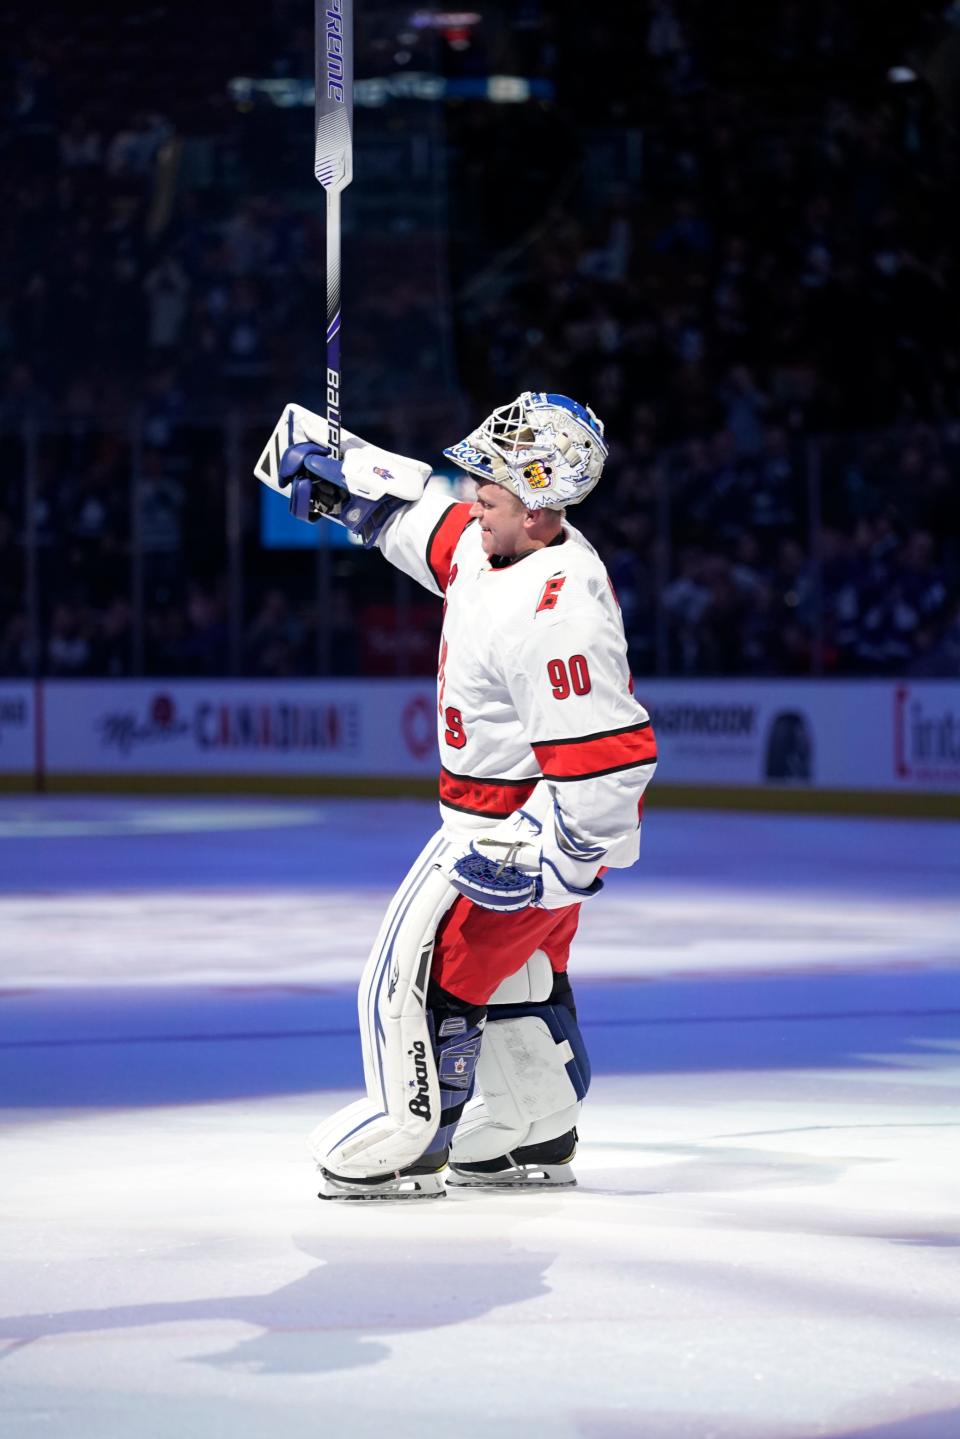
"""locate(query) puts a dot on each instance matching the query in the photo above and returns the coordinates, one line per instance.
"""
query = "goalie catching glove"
(506, 869)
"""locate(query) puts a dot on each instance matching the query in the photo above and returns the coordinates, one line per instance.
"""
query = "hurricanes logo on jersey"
(550, 593)
(537, 475)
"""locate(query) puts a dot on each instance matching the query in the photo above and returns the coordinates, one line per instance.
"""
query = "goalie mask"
(546, 448)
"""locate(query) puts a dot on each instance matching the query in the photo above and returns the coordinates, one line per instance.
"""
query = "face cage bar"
(508, 433)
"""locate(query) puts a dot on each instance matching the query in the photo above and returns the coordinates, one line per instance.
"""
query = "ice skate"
(403, 1186)
(532, 1166)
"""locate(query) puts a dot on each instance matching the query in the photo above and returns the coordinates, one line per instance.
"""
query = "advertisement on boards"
(836, 734)
(891, 737)
(230, 728)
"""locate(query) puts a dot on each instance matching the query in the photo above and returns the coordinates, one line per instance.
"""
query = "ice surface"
(765, 1240)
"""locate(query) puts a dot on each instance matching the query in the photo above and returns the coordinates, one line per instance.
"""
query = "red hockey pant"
(477, 948)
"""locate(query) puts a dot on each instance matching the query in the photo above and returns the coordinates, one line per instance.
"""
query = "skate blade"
(405, 1189)
(539, 1176)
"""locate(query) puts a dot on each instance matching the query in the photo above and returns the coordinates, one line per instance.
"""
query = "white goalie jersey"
(535, 707)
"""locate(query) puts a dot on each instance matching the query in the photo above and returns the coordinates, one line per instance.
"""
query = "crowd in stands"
(834, 558)
(745, 260)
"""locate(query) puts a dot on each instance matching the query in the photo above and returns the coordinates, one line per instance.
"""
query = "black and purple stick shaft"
(333, 167)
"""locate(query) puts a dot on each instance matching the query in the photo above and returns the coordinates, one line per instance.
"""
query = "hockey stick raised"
(333, 167)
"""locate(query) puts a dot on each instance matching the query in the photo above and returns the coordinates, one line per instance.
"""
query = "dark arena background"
(732, 231)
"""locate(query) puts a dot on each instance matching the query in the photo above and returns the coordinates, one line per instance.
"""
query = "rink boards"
(875, 745)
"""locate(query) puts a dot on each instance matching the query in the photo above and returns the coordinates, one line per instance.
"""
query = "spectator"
(275, 638)
(685, 602)
(204, 648)
(112, 650)
(167, 290)
(16, 651)
(68, 649)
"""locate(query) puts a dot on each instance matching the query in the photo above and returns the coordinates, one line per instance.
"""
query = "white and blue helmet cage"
(546, 448)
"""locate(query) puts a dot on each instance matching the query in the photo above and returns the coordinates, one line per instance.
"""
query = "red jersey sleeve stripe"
(597, 754)
(443, 541)
(494, 797)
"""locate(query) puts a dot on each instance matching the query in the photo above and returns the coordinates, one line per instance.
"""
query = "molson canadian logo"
(926, 735)
(224, 724)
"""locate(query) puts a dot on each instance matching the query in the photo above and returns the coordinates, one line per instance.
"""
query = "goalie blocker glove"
(363, 491)
(318, 490)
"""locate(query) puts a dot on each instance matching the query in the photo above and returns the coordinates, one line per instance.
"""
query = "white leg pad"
(394, 1125)
(527, 1094)
(531, 984)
